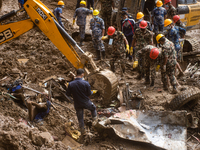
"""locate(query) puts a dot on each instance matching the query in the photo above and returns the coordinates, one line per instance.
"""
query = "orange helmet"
(176, 18)
(111, 30)
(154, 53)
(143, 24)
(61, 3)
(159, 3)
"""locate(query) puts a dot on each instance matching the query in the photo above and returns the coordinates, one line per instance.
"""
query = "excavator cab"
(105, 81)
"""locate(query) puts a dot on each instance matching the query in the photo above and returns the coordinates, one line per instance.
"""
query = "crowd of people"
(146, 44)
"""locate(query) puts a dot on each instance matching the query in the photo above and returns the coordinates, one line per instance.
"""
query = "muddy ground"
(45, 60)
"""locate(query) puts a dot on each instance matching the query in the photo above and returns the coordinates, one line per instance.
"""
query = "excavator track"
(106, 83)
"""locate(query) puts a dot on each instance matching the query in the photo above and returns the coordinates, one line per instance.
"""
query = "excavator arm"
(39, 15)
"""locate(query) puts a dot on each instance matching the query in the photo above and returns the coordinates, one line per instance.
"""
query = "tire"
(189, 97)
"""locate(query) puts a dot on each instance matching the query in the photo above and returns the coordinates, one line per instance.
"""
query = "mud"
(45, 60)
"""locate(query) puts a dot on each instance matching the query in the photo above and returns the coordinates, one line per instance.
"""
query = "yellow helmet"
(95, 12)
(61, 3)
(158, 37)
(159, 3)
(167, 22)
(140, 15)
(83, 3)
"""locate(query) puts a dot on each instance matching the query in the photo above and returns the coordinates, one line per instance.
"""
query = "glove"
(127, 49)
(158, 67)
(91, 8)
(94, 91)
(104, 37)
(131, 51)
(73, 22)
(164, 68)
(135, 64)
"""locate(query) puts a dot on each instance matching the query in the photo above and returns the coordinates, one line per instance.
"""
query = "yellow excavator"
(105, 81)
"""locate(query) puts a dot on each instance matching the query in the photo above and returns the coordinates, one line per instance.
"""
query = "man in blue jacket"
(80, 91)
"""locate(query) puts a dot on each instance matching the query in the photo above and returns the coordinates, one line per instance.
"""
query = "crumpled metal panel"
(163, 129)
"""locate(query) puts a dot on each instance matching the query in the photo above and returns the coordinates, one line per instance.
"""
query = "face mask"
(167, 6)
(62, 6)
(140, 20)
(95, 16)
(168, 28)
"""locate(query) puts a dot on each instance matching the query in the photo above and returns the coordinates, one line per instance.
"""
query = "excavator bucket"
(106, 83)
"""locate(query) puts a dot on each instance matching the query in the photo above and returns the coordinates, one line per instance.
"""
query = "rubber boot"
(152, 83)
(165, 88)
(103, 54)
(175, 91)
(147, 81)
(98, 55)
(81, 138)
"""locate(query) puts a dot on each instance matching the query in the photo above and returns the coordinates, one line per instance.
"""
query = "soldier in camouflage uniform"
(141, 38)
(171, 12)
(106, 11)
(98, 30)
(150, 54)
(81, 14)
(158, 16)
(117, 40)
(168, 63)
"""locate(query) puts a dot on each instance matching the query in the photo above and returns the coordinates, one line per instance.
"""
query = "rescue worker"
(178, 23)
(106, 11)
(141, 38)
(58, 13)
(158, 16)
(81, 14)
(80, 91)
(171, 12)
(98, 29)
(128, 30)
(150, 53)
(140, 17)
(168, 63)
(90, 3)
(117, 39)
(173, 36)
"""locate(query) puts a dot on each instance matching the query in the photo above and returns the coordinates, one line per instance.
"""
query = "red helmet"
(154, 53)
(111, 30)
(167, 1)
(176, 18)
(143, 24)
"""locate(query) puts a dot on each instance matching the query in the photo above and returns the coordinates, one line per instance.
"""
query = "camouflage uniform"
(118, 52)
(138, 23)
(142, 39)
(81, 14)
(173, 36)
(97, 25)
(150, 64)
(106, 11)
(158, 13)
(171, 12)
(168, 51)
